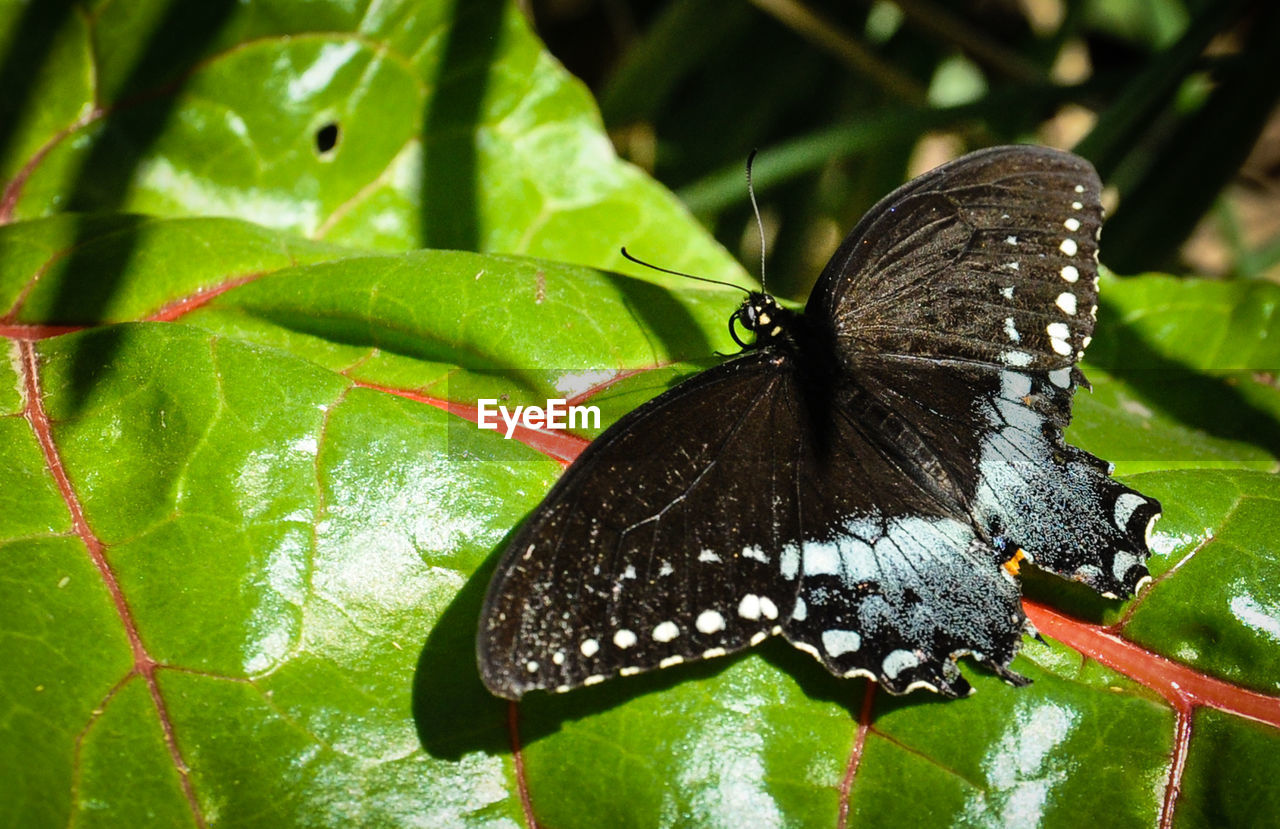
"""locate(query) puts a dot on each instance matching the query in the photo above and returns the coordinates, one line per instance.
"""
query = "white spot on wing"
(1012, 240)
(709, 621)
(1011, 331)
(1017, 359)
(589, 647)
(1069, 273)
(1072, 224)
(789, 561)
(1125, 505)
(1122, 563)
(767, 608)
(1058, 335)
(1066, 301)
(840, 642)
(1060, 377)
(708, 555)
(1014, 385)
(898, 661)
(749, 607)
(800, 611)
(624, 638)
(1068, 247)
(665, 632)
(755, 553)
(809, 649)
(821, 559)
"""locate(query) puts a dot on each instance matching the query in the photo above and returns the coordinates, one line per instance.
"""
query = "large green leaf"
(247, 523)
(297, 539)
(455, 129)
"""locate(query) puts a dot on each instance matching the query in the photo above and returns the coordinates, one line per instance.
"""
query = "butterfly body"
(859, 479)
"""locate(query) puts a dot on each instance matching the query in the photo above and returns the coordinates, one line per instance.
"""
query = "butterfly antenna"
(755, 208)
(631, 258)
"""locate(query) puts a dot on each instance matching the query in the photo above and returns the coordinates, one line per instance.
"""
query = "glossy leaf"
(454, 129)
(247, 519)
(299, 539)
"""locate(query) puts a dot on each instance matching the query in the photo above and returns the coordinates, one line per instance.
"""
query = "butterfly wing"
(660, 544)
(895, 583)
(963, 300)
(714, 516)
(748, 501)
(1054, 501)
(991, 257)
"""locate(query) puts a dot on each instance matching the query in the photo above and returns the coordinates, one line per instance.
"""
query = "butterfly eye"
(745, 315)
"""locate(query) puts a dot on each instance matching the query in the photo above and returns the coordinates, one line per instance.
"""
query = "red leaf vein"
(517, 756)
(855, 756)
(144, 664)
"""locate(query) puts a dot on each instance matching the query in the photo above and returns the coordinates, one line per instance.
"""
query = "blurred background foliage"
(1173, 100)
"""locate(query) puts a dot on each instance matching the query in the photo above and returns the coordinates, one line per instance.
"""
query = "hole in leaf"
(326, 138)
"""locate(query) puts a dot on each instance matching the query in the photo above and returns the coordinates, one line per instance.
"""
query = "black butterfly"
(864, 478)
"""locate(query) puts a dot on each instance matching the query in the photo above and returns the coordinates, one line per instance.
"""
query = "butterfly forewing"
(989, 258)
(661, 544)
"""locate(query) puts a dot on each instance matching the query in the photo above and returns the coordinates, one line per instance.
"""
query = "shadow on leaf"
(451, 125)
(144, 105)
(455, 714)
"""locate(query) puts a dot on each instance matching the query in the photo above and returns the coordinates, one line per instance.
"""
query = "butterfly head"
(762, 316)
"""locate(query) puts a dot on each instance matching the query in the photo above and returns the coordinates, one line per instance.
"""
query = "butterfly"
(864, 478)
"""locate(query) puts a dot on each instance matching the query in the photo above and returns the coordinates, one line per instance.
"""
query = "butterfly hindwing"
(1055, 501)
(899, 599)
(895, 582)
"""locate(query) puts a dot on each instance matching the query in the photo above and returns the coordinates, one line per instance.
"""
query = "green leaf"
(247, 526)
(455, 129)
(300, 542)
